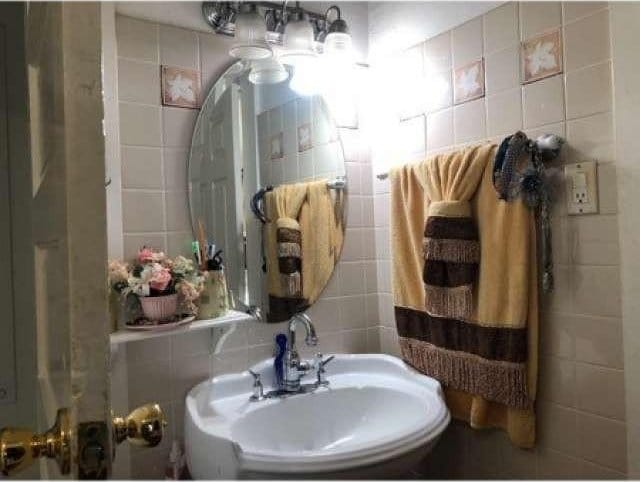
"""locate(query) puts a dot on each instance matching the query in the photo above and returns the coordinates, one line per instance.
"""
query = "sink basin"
(377, 416)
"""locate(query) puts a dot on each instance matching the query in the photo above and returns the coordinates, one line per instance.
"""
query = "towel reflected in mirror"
(303, 238)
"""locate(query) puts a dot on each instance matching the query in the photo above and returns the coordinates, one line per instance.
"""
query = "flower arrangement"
(154, 274)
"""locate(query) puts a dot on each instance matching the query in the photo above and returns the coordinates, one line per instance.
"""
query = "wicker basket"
(158, 308)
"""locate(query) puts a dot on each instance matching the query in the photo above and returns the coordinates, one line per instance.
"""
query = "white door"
(219, 176)
(58, 258)
(63, 45)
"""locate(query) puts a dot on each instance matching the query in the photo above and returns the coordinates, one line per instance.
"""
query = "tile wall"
(581, 408)
(154, 143)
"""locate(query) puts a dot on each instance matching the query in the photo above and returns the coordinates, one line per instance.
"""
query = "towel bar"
(546, 142)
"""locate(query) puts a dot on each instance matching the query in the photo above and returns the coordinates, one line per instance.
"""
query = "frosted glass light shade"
(250, 43)
(338, 44)
(267, 71)
(297, 41)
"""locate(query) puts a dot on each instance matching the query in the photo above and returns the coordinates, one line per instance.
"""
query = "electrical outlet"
(581, 188)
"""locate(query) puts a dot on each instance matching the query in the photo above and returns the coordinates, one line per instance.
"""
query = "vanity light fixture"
(296, 30)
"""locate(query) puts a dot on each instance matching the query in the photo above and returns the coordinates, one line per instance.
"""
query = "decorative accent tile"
(541, 56)
(305, 141)
(180, 87)
(468, 82)
(276, 147)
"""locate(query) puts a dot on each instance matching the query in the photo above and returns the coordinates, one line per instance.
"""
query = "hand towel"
(486, 359)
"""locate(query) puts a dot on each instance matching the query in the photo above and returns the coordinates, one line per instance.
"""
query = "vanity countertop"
(125, 336)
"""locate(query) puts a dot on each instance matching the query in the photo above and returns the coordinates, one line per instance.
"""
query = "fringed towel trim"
(451, 250)
(502, 382)
(449, 302)
(291, 284)
(286, 250)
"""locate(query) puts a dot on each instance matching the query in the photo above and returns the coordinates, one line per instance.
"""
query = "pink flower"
(145, 255)
(160, 278)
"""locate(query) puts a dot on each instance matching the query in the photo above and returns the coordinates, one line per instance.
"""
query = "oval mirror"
(267, 186)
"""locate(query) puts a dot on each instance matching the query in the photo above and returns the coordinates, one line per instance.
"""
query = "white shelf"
(125, 336)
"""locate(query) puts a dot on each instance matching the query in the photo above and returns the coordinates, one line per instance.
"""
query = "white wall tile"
(412, 136)
(137, 39)
(598, 340)
(467, 43)
(175, 168)
(574, 10)
(138, 82)
(178, 47)
(177, 209)
(539, 17)
(179, 243)
(596, 290)
(177, 126)
(589, 91)
(591, 138)
(440, 129)
(502, 69)
(600, 390)
(602, 441)
(504, 112)
(139, 125)
(214, 58)
(141, 167)
(543, 102)
(469, 122)
(607, 189)
(437, 53)
(142, 211)
(586, 41)
(501, 28)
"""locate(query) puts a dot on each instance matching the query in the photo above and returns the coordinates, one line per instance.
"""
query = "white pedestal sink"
(376, 418)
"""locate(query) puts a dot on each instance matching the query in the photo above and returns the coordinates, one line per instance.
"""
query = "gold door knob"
(20, 448)
(144, 426)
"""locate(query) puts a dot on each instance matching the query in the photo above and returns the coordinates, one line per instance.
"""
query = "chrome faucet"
(291, 367)
(294, 368)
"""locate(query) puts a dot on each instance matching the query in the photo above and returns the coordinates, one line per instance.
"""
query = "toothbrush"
(195, 248)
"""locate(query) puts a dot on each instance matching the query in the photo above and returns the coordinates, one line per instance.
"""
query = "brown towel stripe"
(500, 344)
(446, 227)
(497, 381)
(447, 274)
(286, 235)
(289, 264)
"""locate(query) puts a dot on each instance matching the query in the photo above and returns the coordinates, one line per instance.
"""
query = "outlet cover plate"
(581, 184)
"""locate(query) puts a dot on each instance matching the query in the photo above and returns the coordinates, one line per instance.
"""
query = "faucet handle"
(320, 362)
(320, 371)
(256, 376)
(258, 389)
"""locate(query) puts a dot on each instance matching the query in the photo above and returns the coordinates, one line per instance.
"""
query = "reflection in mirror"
(267, 186)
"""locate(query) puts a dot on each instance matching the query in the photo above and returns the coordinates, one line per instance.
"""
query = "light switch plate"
(581, 187)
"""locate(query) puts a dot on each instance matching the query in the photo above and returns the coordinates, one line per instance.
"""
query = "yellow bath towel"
(487, 361)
